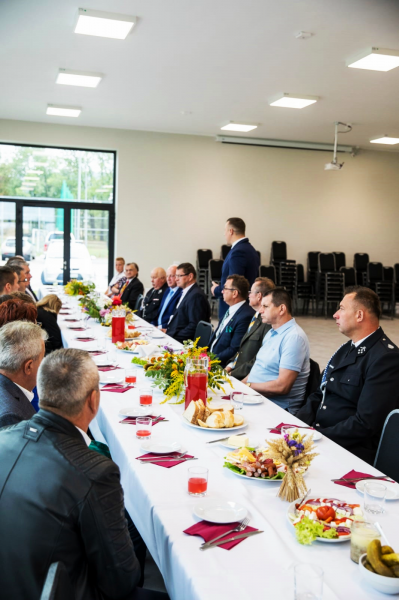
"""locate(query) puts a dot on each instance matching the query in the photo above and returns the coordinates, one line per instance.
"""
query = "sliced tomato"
(324, 512)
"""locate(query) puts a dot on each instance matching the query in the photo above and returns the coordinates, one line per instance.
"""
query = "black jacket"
(362, 389)
(251, 343)
(152, 303)
(193, 308)
(132, 292)
(60, 501)
(229, 340)
(48, 321)
(14, 405)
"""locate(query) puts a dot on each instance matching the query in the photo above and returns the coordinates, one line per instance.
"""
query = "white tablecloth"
(158, 502)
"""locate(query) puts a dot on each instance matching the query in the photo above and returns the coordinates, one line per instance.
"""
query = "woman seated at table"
(47, 312)
(14, 309)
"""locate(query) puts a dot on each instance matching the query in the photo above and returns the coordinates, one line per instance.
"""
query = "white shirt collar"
(356, 344)
(28, 394)
(84, 435)
(184, 293)
(233, 309)
(238, 241)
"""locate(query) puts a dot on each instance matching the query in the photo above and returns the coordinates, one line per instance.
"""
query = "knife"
(356, 479)
(224, 439)
(231, 539)
(152, 460)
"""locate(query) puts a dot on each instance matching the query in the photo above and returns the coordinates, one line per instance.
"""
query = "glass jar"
(362, 534)
(118, 325)
(196, 379)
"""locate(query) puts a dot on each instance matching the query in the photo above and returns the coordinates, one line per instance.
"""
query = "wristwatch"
(249, 384)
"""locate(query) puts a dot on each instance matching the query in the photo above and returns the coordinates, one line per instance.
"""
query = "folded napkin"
(72, 320)
(132, 420)
(96, 352)
(76, 328)
(208, 531)
(115, 387)
(85, 339)
(105, 368)
(167, 465)
(352, 475)
(277, 429)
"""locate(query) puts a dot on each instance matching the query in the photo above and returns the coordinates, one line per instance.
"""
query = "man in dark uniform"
(360, 385)
(152, 300)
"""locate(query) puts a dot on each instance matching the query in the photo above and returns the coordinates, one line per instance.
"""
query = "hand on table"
(228, 369)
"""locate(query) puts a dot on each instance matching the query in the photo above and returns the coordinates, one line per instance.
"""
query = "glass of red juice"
(146, 397)
(197, 481)
(143, 428)
(131, 375)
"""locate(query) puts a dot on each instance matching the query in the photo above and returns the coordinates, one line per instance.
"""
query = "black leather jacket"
(60, 501)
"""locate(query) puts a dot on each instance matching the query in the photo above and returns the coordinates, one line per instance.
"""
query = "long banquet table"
(158, 502)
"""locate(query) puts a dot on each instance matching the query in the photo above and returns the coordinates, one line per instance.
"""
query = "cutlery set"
(357, 479)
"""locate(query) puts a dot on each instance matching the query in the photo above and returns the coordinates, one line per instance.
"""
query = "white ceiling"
(215, 60)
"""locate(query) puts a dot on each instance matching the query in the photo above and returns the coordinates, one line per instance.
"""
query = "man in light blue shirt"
(281, 369)
(169, 300)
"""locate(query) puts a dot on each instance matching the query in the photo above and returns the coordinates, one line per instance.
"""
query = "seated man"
(119, 273)
(227, 338)
(192, 307)
(251, 343)
(169, 299)
(360, 385)
(282, 367)
(8, 281)
(70, 506)
(26, 277)
(21, 352)
(153, 298)
(132, 288)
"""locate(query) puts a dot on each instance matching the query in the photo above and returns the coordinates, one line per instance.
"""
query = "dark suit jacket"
(132, 292)
(250, 345)
(152, 303)
(14, 405)
(49, 323)
(230, 338)
(241, 260)
(170, 309)
(32, 293)
(362, 389)
(193, 309)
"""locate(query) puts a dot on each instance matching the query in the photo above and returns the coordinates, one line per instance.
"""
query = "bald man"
(152, 301)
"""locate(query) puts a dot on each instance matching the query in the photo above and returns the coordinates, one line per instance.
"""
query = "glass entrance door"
(89, 246)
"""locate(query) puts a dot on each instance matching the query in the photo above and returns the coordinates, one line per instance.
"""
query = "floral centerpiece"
(79, 288)
(167, 370)
(295, 450)
(101, 308)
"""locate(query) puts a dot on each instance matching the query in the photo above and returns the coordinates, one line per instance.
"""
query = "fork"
(239, 527)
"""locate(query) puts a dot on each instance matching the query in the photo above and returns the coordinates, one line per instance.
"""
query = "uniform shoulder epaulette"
(388, 344)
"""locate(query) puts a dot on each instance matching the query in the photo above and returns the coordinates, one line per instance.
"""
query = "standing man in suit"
(251, 343)
(21, 352)
(169, 300)
(192, 307)
(227, 337)
(241, 260)
(132, 288)
(153, 298)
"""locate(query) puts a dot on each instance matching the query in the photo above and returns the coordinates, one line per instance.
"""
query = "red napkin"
(277, 430)
(72, 320)
(64, 312)
(172, 463)
(96, 352)
(132, 420)
(115, 387)
(105, 368)
(208, 531)
(84, 339)
(352, 475)
(76, 328)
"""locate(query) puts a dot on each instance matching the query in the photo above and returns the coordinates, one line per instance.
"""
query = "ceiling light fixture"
(104, 24)
(80, 78)
(376, 59)
(292, 101)
(385, 139)
(242, 127)
(55, 110)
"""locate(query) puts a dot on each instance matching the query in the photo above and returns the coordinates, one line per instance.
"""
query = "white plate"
(291, 509)
(134, 411)
(392, 488)
(256, 478)
(230, 447)
(104, 380)
(220, 511)
(252, 399)
(129, 351)
(316, 434)
(214, 430)
(160, 446)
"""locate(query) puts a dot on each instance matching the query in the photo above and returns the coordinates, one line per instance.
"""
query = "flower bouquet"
(295, 451)
(167, 370)
(102, 308)
(79, 288)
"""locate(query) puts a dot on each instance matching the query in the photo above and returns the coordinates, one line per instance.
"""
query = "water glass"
(146, 397)
(112, 357)
(362, 533)
(131, 375)
(374, 497)
(308, 581)
(197, 481)
(101, 344)
(143, 428)
(237, 400)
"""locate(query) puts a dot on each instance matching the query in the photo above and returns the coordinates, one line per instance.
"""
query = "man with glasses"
(192, 307)
(227, 338)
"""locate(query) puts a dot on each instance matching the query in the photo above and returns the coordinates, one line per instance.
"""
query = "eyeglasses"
(178, 276)
(229, 289)
(22, 280)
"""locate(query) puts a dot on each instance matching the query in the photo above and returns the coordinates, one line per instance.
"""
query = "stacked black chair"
(268, 271)
(139, 301)
(388, 273)
(287, 276)
(385, 460)
(396, 281)
(303, 290)
(278, 253)
(204, 332)
(330, 284)
(203, 258)
(340, 260)
(224, 250)
(360, 262)
(313, 268)
(383, 288)
(349, 276)
(214, 274)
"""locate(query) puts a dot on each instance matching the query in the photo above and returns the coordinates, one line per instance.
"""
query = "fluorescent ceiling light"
(104, 24)
(80, 78)
(385, 140)
(292, 101)
(376, 59)
(243, 127)
(56, 110)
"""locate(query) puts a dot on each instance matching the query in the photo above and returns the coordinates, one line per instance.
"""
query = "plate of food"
(129, 334)
(209, 418)
(220, 511)
(392, 488)
(323, 519)
(130, 345)
(238, 441)
(254, 464)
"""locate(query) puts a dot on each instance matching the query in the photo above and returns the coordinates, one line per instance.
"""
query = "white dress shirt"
(184, 293)
(238, 241)
(84, 435)
(28, 394)
(361, 341)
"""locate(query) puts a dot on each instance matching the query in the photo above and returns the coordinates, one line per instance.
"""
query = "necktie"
(123, 288)
(220, 328)
(165, 304)
(324, 378)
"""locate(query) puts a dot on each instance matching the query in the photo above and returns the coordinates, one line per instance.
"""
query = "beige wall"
(175, 192)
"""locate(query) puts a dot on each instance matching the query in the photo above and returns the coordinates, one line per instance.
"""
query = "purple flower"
(103, 312)
(291, 443)
(168, 349)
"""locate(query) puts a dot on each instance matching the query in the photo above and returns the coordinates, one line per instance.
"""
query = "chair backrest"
(375, 272)
(57, 585)
(139, 300)
(326, 262)
(258, 253)
(396, 271)
(224, 250)
(360, 261)
(386, 457)
(388, 273)
(313, 380)
(203, 258)
(268, 271)
(349, 275)
(215, 268)
(300, 274)
(278, 252)
(313, 261)
(340, 260)
(204, 332)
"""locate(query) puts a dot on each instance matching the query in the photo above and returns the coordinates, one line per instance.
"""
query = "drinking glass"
(112, 357)
(143, 428)
(131, 375)
(101, 344)
(308, 580)
(146, 397)
(237, 400)
(197, 481)
(362, 533)
(374, 497)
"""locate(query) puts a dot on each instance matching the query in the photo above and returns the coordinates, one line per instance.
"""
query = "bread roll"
(228, 418)
(191, 413)
(215, 420)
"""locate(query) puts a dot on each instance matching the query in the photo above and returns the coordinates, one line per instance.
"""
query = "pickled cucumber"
(374, 557)
(386, 550)
(390, 559)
